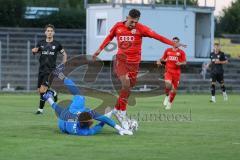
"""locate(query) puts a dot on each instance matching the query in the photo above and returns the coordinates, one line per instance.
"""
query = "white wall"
(113, 15)
(167, 21)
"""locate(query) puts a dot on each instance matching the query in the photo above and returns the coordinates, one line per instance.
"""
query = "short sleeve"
(60, 48)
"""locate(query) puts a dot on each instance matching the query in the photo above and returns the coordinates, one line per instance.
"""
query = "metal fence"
(154, 3)
(18, 67)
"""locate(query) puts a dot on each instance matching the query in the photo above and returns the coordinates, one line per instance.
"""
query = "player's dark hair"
(85, 119)
(216, 44)
(176, 38)
(49, 26)
(134, 13)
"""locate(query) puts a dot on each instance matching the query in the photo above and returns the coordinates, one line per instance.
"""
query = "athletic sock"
(117, 127)
(172, 96)
(167, 91)
(41, 102)
(213, 89)
(223, 88)
(122, 100)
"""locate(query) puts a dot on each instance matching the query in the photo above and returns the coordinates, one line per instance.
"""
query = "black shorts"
(44, 79)
(217, 77)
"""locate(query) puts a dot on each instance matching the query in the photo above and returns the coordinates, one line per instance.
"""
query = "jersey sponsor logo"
(47, 53)
(173, 58)
(126, 38)
(133, 31)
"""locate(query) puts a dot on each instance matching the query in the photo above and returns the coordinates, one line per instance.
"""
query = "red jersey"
(171, 57)
(130, 40)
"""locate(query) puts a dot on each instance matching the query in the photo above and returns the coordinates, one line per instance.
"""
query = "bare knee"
(42, 89)
(125, 82)
(168, 84)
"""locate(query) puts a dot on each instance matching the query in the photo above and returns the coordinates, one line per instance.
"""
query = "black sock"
(213, 90)
(223, 88)
(41, 102)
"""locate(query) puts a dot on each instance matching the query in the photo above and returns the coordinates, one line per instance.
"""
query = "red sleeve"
(109, 38)
(164, 57)
(183, 57)
(147, 32)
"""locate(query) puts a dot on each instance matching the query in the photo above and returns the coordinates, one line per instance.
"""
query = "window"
(101, 26)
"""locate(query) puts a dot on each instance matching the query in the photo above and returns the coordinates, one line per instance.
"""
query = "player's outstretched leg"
(168, 87)
(213, 99)
(120, 110)
(172, 95)
(42, 89)
(225, 97)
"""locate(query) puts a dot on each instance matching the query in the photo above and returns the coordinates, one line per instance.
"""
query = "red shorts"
(174, 78)
(122, 67)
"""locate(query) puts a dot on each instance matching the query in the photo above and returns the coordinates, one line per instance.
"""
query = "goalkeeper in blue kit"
(76, 119)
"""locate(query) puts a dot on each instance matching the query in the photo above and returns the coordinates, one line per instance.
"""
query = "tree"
(11, 12)
(229, 22)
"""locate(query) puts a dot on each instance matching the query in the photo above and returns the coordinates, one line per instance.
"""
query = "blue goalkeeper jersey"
(74, 128)
(68, 117)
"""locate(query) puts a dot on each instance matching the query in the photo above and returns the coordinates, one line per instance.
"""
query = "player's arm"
(106, 41)
(64, 60)
(36, 49)
(147, 32)
(222, 60)
(163, 59)
(64, 54)
(95, 129)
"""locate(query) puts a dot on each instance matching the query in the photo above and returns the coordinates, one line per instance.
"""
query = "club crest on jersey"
(53, 47)
(177, 53)
(133, 31)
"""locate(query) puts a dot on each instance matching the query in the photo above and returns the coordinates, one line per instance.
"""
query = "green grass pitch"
(193, 129)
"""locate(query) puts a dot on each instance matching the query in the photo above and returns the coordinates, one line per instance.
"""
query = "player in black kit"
(48, 50)
(218, 58)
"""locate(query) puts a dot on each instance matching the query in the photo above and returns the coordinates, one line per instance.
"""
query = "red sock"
(172, 96)
(122, 100)
(167, 91)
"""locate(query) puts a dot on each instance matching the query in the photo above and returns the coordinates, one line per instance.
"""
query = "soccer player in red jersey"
(129, 34)
(173, 58)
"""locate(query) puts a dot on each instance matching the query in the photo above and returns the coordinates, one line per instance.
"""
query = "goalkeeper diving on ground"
(76, 119)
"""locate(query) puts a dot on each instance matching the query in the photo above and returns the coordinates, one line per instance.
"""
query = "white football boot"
(225, 97)
(213, 99)
(169, 106)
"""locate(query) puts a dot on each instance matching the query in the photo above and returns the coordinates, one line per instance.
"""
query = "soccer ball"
(133, 125)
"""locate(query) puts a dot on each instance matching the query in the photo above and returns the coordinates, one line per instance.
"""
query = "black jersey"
(48, 55)
(217, 68)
